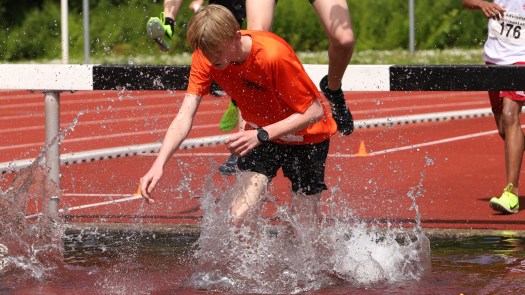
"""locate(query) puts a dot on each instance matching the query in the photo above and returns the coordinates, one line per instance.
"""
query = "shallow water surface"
(145, 263)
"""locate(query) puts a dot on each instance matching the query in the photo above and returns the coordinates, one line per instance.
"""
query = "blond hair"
(210, 27)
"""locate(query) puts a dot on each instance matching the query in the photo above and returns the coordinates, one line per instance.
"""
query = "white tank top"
(506, 38)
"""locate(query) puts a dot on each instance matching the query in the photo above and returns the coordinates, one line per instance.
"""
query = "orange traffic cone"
(362, 150)
(138, 193)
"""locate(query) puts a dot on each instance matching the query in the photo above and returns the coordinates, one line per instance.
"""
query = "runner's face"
(225, 56)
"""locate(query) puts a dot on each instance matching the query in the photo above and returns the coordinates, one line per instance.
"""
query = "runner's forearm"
(296, 122)
(178, 129)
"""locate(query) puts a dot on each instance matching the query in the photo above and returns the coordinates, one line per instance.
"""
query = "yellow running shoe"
(230, 119)
(508, 203)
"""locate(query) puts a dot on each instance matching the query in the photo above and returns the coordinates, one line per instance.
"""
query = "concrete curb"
(194, 230)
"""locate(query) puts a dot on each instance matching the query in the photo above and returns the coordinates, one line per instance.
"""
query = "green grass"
(402, 57)
(368, 57)
(372, 57)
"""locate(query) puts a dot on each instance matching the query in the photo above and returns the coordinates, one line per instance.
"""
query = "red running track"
(451, 167)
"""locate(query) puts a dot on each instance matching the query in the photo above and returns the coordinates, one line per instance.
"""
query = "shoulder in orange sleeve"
(200, 80)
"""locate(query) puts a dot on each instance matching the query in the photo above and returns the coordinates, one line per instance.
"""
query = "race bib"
(510, 29)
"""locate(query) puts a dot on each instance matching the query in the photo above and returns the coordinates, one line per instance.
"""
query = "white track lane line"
(94, 195)
(416, 146)
(112, 202)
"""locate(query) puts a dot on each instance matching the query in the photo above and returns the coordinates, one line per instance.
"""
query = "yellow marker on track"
(138, 193)
(362, 150)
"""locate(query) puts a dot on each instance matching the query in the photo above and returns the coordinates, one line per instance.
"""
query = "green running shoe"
(508, 203)
(160, 31)
(230, 119)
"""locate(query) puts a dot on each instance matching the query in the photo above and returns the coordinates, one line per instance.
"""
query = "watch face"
(262, 135)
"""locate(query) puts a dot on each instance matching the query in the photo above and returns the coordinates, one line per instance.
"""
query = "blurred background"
(445, 32)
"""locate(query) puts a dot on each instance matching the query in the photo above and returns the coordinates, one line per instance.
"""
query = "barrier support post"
(52, 125)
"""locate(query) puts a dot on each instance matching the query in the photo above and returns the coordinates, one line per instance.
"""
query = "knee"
(343, 41)
(237, 216)
(509, 119)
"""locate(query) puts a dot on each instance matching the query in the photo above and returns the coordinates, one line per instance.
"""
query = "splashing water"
(257, 258)
(30, 235)
(32, 248)
(268, 257)
(365, 255)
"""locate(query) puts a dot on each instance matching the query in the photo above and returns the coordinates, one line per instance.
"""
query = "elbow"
(314, 113)
(320, 116)
(320, 111)
(317, 114)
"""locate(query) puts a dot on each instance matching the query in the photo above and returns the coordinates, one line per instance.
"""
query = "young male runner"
(287, 125)
(505, 45)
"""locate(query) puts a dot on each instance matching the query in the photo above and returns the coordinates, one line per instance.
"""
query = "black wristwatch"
(262, 135)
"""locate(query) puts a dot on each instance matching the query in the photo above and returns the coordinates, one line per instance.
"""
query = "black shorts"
(237, 7)
(304, 164)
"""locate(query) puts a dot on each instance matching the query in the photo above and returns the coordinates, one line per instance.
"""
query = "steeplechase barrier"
(52, 79)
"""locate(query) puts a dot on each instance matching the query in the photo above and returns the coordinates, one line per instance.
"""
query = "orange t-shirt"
(268, 87)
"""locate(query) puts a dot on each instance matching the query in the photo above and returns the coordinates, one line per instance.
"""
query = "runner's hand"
(491, 10)
(195, 5)
(242, 142)
(148, 183)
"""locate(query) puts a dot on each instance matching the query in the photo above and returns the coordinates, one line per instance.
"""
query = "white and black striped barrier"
(357, 78)
(52, 79)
